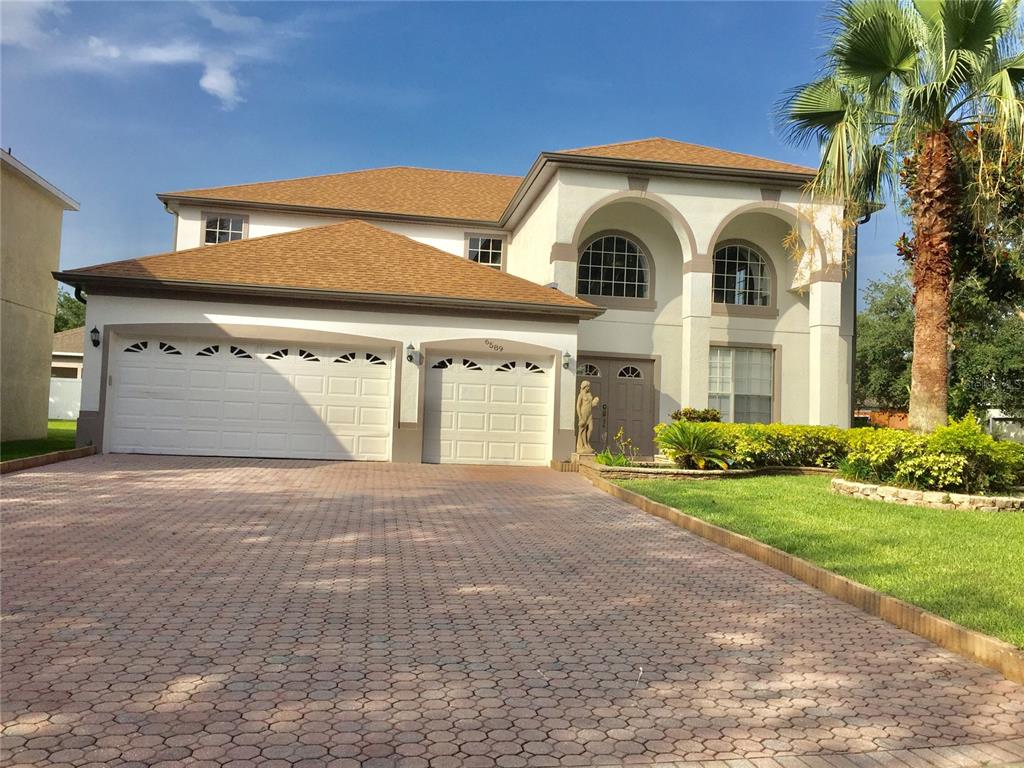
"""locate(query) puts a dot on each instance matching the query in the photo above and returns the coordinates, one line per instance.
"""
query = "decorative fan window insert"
(308, 356)
(348, 357)
(588, 369)
(373, 359)
(442, 364)
(169, 349)
(533, 367)
(278, 354)
(138, 346)
(506, 367)
(209, 351)
(630, 372)
(239, 352)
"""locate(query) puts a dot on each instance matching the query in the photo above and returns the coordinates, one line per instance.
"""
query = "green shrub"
(696, 414)
(876, 453)
(783, 445)
(692, 445)
(932, 471)
(610, 459)
(959, 457)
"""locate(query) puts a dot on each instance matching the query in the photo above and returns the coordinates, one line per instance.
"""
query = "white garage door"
(487, 411)
(240, 398)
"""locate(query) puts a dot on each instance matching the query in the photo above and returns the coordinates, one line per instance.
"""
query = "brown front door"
(626, 388)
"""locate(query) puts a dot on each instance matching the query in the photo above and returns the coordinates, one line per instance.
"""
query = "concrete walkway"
(161, 610)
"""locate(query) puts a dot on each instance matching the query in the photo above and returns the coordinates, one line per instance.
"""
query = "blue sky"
(114, 102)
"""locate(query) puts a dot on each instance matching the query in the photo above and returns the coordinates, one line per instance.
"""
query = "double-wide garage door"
(240, 398)
(482, 410)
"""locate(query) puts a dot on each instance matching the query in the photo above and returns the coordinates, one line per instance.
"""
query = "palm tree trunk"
(933, 206)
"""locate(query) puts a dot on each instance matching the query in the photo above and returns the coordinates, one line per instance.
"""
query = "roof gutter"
(167, 198)
(129, 285)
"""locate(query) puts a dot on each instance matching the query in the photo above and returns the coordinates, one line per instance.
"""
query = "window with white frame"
(223, 228)
(740, 384)
(741, 277)
(613, 265)
(485, 250)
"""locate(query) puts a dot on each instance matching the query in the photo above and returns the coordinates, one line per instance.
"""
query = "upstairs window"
(223, 228)
(741, 277)
(613, 265)
(485, 250)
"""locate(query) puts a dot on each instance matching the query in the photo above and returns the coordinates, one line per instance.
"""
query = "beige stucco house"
(31, 214)
(407, 314)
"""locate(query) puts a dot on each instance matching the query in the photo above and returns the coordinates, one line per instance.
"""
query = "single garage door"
(488, 411)
(242, 398)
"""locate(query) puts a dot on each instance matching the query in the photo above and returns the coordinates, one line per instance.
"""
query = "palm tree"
(904, 86)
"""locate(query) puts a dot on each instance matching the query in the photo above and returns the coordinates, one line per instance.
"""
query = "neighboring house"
(66, 374)
(31, 214)
(66, 362)
(407, 314)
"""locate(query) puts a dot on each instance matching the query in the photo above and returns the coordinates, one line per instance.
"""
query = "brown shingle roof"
(352, 258)
(70, 341)
(404, 191)
(660, 150)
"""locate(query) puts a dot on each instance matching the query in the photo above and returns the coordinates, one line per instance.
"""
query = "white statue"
(585, 404)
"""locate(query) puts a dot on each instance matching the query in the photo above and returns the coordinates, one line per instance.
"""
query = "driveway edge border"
(983, 649)
(42, 459)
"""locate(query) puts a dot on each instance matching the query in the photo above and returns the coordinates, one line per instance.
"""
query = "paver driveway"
(236, 612)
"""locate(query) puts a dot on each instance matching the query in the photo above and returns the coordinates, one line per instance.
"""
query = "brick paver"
(161, 610)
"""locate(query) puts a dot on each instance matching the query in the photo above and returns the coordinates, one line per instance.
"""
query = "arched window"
(742, 276)
(613, 265)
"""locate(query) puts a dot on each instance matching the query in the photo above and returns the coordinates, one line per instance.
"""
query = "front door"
(626, 389)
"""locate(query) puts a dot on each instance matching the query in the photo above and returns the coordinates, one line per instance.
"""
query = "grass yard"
(60, 437)
(965, 566)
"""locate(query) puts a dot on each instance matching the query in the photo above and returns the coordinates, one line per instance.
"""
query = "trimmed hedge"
(959, 457)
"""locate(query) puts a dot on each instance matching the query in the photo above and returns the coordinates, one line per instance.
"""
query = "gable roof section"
(69, 342)
(659, 150)
(401, 191)
(349, 261)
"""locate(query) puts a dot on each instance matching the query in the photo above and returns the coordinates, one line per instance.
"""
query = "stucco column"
(696, 332)
(827, 364)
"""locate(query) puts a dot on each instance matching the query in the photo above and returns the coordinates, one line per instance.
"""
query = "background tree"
(885, 342)
(70, 312)
(914, 81)
(986, 355)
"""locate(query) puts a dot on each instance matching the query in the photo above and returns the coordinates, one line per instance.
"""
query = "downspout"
(79, 296)
(853, 342)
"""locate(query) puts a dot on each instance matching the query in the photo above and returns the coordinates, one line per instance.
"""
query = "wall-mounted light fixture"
(566, 359)
(411, 355)
(94, 336)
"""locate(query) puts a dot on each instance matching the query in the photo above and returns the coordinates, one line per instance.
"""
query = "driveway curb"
(29, 462)
(983, 649)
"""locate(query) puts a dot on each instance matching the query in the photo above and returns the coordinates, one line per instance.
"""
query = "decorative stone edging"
(985, 650)
(590, 468)
(933, 499)
(29, 462)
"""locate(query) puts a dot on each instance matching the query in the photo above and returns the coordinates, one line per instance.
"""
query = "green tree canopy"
(70, 312)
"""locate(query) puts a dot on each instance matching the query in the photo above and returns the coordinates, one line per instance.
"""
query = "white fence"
(65, 398)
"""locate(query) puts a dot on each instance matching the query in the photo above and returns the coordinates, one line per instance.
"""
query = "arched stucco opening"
(655, 235)
(675, 219)
(769, 226)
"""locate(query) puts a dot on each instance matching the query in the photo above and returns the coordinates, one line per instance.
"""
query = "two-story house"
(406, 314)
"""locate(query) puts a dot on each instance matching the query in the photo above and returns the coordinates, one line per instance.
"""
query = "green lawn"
(60, 437)
(966, 566)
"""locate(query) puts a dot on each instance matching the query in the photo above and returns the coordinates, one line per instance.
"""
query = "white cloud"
(231, 42)
(29, 24)
(220, 81)
(226, 19)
